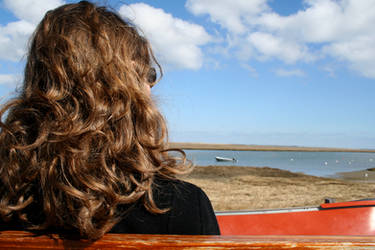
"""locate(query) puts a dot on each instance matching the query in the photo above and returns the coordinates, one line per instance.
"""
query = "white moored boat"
(218, 158)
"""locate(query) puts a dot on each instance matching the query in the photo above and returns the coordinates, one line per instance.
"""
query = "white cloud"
(341, 29)
(8, 79)
(344, 30)
(358, 52)
(31, 10)
(175, 41)
(323, 21)
(320, 22)
(286, 73)
(269, 46)
(14, 36)
(13, 39)
(228, 13)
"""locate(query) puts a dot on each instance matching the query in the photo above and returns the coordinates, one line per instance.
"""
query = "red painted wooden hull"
(345, 218)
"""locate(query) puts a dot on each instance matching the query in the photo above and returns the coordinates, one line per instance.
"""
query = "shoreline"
(253, 188)
(242, 147)
(362, 176)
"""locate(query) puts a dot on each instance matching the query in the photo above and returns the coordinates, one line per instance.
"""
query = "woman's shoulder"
(181, 193)
(178, 187)
(191, 211)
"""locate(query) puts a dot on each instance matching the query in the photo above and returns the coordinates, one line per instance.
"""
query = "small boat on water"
(218, 158)
(341, 218)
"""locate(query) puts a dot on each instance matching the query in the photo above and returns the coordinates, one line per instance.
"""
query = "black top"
(190, 213)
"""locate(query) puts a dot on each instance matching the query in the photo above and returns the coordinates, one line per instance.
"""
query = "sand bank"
(235, 188)
(363, 176)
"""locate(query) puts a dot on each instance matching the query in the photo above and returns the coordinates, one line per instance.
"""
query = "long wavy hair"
(84, 135)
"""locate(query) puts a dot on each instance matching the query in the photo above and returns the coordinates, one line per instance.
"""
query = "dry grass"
(235, 188)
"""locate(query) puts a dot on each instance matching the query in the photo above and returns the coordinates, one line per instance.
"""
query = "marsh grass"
(238, 188)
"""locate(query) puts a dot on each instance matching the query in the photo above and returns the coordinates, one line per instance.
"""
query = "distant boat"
(218, 158)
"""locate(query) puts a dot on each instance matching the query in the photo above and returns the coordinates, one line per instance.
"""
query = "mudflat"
(250, 188)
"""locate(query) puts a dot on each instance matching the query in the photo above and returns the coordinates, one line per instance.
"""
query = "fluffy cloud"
(268, 45)
(175, 41)
(8, 79)
(323, 21)
(14, 35)
(13, 39)
(359, 52)
(341, 29)
(31, 10)
(228, 13)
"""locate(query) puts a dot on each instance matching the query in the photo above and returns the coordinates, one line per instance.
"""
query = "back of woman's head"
(84, 135)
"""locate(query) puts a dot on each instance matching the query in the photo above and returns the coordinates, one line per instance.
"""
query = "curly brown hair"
(83, 136)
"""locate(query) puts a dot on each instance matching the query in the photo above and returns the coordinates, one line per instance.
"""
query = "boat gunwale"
(322, 207)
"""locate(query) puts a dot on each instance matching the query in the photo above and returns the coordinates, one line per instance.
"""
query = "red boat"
(342, 218)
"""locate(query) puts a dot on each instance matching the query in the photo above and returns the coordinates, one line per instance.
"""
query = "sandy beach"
(238, 188)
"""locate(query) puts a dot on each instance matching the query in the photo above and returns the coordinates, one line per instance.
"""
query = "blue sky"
(240, 71)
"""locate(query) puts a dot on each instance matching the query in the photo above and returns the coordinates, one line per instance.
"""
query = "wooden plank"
(25, 240)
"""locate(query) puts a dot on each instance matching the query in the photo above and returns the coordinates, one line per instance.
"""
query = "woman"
(83, 148)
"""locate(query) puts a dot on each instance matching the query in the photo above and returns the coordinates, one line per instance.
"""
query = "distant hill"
(242, 147)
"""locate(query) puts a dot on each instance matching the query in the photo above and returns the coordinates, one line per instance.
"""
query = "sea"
(324, 164)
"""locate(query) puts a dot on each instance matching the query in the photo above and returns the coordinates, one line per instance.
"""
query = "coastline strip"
(243, 147)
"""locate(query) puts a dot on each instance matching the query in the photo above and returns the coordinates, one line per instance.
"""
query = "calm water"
(313, 163)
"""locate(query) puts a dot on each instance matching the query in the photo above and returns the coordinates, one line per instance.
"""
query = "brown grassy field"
(237, 188)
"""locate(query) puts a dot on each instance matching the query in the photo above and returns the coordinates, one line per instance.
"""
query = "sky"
(296, 72)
